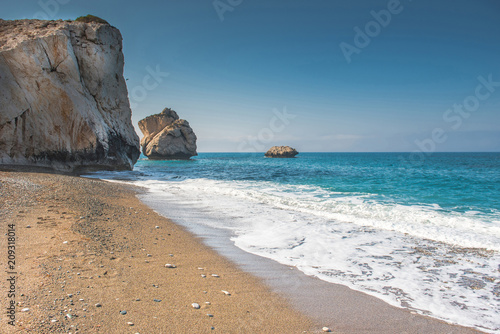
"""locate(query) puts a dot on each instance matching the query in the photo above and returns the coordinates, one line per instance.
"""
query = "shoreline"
(88, 249)
(90, 239)
(358, 312)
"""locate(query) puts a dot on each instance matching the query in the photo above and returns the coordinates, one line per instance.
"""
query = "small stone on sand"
(226, 292)
(168, 265)
(25, 309)
(98, 305)
(195, 305)
(130, 323)
(123, 312)
(326, 329)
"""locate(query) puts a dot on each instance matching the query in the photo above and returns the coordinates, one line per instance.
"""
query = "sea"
(422, 235)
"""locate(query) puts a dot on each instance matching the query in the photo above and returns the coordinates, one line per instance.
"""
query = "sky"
(318, 75)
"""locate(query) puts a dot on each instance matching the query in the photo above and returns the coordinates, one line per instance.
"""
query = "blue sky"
(230, 77)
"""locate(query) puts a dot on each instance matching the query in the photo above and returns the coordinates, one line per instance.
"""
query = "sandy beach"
(88, 249)
(90, 258)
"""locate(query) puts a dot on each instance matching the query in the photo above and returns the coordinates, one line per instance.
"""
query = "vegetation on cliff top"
(90, 18)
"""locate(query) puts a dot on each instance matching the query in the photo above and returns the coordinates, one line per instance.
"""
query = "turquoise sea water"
(425, 237)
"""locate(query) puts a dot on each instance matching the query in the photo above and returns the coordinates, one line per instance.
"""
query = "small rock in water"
(168, 265)
(195, 305)
(326, 329)
(226, 292)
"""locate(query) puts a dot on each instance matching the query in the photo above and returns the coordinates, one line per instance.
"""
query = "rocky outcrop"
(63, 99)
(167, 137)
(281, 152)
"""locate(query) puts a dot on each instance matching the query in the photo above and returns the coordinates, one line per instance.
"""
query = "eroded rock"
(167, 137)
(281, 152)
(63, 99)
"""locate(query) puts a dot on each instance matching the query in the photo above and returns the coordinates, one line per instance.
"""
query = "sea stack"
(166, 137)
(281, 152)
(63, 99)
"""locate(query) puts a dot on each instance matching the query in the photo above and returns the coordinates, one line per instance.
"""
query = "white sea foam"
(435, 262)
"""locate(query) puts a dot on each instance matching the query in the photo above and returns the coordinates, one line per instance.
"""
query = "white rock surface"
(63, 99)
(167, 137)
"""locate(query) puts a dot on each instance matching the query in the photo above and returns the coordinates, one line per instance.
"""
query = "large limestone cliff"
(167, 137)
(63, 99)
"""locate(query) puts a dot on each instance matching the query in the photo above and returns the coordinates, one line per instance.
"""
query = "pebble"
(226, 292)
(25, 309)
(28, 226)
(203, 276)
(123, 312)
(149, 255)
(210, 315)
(68, 316)
(130, 323)
(215, 275)
(157, 226)
(208, 303)
(168, 265)
(326, 329)
(65, 242)
(53, 320)
(157, 300)
(98, 305)
(195, 305)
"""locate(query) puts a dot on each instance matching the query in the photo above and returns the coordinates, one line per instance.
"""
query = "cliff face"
(167, 137)
(63, 99)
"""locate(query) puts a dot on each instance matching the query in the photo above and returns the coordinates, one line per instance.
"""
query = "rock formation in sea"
(281, 152)
(166, 137)
(63, 99)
